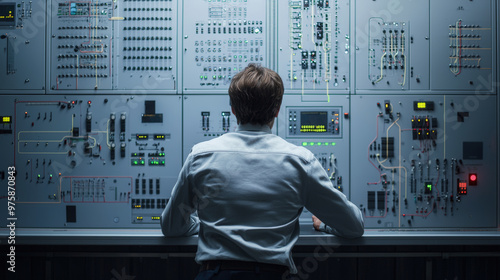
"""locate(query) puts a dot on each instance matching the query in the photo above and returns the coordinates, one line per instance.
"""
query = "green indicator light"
(327, 144)
(429, 187)
(304, 143)
(142, 162)
(311, 143)
(319, 143)
(135, 162)
(162, 162)
(38, 175)
(201, 77)
(333, 143)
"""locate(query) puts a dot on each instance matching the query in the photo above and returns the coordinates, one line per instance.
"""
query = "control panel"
(22, 45)
(102, 101)
(462, 56)
(92, 161)
(81, 45)
(146, 49)
(220, 39)
(113, 45)
(424, 162)
(314, 45)
(392, 46)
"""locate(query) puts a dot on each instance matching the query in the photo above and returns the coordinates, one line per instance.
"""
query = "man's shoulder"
(234, 142)
(209, 145)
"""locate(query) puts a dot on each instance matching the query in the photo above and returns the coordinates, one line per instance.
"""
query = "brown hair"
(256, 94)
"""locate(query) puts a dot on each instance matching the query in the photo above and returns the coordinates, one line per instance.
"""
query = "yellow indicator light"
(421, 105)
(139, 218)
(6, 119)
(155, 218)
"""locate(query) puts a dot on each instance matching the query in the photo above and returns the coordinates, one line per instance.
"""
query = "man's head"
(256, 94)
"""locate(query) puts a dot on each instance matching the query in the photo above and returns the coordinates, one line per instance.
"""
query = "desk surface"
(308, 237)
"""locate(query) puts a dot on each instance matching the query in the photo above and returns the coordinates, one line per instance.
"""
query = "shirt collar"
(253, 127)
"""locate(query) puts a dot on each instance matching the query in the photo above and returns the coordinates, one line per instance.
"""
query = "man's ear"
(277, 113)
(232, 110)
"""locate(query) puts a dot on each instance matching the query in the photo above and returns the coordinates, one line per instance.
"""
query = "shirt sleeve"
(340, 216)
(325, 228)
(179, 216)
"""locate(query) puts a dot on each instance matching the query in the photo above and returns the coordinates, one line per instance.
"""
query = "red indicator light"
(472, 179)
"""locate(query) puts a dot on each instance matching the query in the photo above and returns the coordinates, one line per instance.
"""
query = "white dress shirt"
(248, 189)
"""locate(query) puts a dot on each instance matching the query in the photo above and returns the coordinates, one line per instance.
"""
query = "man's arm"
(179, 217)
(330, 205)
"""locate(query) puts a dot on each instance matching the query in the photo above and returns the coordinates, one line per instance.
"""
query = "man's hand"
(316, 223)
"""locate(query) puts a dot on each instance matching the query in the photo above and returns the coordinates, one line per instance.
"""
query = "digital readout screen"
(313, 122)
